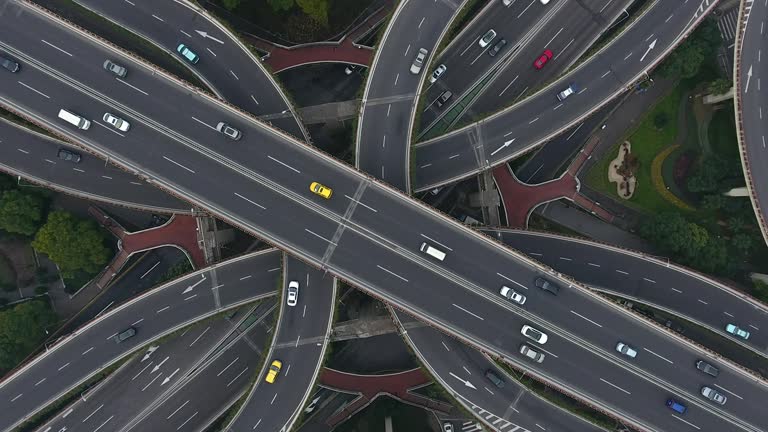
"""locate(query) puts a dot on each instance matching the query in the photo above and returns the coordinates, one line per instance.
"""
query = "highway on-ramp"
(161, 311)
(607, 74)
(301, 338)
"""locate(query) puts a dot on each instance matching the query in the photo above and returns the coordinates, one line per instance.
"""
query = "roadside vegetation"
(688, 158)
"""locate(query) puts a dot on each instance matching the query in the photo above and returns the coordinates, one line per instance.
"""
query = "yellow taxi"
(274, 369)
(323, 191)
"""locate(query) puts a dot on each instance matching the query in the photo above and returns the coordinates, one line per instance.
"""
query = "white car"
(533, 334)
(447, 427)
(229, 131)
(571, 89)
(437, 73)
(487, 38)
(626, 350)
(293, 293)
(116, 122)
(418, 62)
(531, 353)
(713, 395)
(510, 294)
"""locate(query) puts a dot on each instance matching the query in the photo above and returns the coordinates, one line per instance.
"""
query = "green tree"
(21, 213)
(708, 174)
(760, 290)
(230, 4)
(280, 5)
(719, 86)
(316, 9)
(686, 60)
(713, 202)
(22, 329)
(72, 244)
(743, 243)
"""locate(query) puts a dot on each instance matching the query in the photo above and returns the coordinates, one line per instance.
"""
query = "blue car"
(737, 331)
(676, 406)
(188, 54)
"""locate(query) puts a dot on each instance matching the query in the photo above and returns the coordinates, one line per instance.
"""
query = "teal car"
(188, 54)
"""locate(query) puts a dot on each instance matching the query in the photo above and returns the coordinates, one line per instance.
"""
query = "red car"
(539, 63)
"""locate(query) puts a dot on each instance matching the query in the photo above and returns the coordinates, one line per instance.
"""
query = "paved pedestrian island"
(520, 199)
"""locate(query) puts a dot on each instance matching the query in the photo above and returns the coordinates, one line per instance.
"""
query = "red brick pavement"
(281, 58)
(180, 231)
(369, 387)
(520, 199)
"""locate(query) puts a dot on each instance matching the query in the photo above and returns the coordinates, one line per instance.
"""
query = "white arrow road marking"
(506, 144)
(157, 367)
(749, 76)
(150, 350)
(205, 35)
(168, 378)
(650, 47)
(191, 287)
(466, 382)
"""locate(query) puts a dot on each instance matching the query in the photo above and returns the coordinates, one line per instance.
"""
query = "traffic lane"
(187, 168)
(223, 63)
(479, 321)
(627, 273)
(660, 356)
(132, 388)
(455, 362)
(272, 406)
(314, 306)
(534, 119)
(211, 390)
(467, 62)
(417, 25)
(582, 309)
(383, 152)
(92, 347)
(35, 156)
(567, 36)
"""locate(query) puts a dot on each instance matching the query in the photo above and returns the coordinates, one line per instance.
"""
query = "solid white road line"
(473, 314)
(615, 386)
(586, 319)
(659, 356)
(392, 273)
(250, 201)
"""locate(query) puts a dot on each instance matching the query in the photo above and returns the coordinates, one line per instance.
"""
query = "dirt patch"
(625, 185)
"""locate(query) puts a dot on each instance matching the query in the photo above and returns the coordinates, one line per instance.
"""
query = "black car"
(69, 155)
(707, 368)
(497, 47)
(548, 286)
(9, 64)
(444, 96)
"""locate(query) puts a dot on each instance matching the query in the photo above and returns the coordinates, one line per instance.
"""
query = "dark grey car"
(498, 46)
(125, 334)
(495, 379)
(69, 155)
(707, 368)
(9, 64)
(547, 285)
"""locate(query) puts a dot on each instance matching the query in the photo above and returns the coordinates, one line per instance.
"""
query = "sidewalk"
(280, 58)
(369, 387)
(520, 199)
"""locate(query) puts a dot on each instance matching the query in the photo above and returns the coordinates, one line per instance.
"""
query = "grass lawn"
(647, 141)
(371, 419)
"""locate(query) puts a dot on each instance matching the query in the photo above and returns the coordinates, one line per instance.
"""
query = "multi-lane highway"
(146, 378)
(245, 83)
(273, 200)
(161, 311)
(391, 93)
(462, 370)
(748, 73)
(35, 159)
(301, 338)
(607, 74)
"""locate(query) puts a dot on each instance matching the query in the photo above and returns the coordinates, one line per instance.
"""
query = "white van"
(434, 253)
(74, 119)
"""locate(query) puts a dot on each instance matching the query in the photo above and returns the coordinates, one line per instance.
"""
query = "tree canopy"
(22, 329)
(72, 243)
(687, 59)
(21, 213)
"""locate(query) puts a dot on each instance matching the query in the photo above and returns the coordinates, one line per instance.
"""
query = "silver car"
(626, 350)
(116, 122)
(229, 131)
(487, 38)
(115, 68)
(531, 354)
(713, 395)
(512, 295)
(437, 73)
(418, 62)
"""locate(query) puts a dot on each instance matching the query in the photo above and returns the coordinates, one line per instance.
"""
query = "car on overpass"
(274, 370)
(187, 54)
